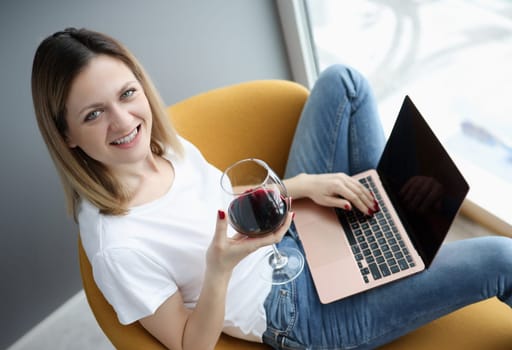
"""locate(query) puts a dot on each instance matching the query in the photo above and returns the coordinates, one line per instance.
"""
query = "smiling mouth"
(128, 138)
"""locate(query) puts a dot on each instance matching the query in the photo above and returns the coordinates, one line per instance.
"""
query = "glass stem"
(279, 260)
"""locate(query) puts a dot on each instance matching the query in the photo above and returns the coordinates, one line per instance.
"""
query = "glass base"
(285, 269)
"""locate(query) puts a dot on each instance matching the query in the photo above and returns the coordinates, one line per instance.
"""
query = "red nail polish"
(222, 214)
(370, 212)
(347, 207)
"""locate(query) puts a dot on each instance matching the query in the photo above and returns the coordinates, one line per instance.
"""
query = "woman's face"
(108, 114)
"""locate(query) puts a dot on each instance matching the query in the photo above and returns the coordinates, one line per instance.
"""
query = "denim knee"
(496, 255)
(491, 264)
(352, 81)
(497, 251)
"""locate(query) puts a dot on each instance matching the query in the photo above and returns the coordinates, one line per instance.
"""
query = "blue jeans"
(340, 131)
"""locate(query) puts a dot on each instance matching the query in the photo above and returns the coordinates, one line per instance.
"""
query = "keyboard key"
(403, 264)
(385, 270)
(375, 271)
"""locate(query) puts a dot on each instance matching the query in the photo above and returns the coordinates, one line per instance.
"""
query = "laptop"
(419, 190)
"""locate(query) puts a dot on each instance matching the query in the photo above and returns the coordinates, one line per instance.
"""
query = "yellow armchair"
(258, 119)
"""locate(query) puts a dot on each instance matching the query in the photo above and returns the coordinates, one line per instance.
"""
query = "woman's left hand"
(333, 190)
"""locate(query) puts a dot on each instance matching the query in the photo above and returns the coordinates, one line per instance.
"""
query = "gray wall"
(186, 46)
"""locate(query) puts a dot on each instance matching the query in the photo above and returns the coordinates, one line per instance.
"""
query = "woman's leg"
(339, 129)
(463, 272)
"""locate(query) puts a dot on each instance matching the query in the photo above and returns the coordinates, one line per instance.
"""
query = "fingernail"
(370, 212)
(222, 214)
(347, 207)
(293, 215)
(376, 207)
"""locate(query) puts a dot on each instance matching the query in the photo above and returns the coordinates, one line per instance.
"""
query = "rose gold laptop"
(419, 190)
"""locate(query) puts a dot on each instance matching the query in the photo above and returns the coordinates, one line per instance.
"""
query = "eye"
(128, 93)
(92, 115)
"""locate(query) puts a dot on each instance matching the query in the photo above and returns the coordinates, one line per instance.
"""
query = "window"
(452, 57)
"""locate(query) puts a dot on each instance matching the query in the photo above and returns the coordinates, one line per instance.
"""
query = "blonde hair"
(57, 61)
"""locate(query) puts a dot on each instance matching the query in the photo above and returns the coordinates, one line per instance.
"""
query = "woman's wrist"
(298, 186)
(217, 276)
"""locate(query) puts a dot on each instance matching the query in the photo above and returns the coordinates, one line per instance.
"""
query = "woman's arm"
(332, 190)
(181, 329)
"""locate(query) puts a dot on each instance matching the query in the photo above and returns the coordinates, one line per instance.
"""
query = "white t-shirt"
(142, 258)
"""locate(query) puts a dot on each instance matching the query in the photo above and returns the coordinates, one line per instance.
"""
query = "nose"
(120, 117)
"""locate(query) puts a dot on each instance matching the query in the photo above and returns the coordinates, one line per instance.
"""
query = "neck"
(133, 175)
(148, 180)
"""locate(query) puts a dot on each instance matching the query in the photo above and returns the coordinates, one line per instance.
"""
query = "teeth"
(126, 139)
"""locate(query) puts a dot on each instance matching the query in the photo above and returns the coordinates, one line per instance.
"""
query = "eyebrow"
(97, 104)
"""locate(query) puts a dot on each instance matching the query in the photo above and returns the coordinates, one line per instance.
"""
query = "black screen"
(423, 183)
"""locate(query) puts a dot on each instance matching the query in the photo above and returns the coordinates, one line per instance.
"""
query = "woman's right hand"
(224, 252)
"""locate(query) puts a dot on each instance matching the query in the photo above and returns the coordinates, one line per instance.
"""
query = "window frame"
(299, 41)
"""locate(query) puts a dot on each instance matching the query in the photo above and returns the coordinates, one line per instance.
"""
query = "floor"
(73, 326)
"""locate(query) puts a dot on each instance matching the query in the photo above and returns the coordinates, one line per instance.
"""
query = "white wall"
(186, 46)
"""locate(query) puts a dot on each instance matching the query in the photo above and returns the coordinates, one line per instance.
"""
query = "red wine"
(257, 212)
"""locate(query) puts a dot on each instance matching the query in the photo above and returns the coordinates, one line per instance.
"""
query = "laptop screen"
(422, 181)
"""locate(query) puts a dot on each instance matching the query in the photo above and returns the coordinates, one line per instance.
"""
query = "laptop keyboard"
(377, 246)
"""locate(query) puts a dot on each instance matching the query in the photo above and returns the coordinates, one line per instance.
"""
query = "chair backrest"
(253, 119)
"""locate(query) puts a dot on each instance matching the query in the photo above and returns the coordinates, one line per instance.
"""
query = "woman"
(152, 220)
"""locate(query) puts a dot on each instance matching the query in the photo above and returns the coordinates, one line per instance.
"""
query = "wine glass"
(259, 207)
